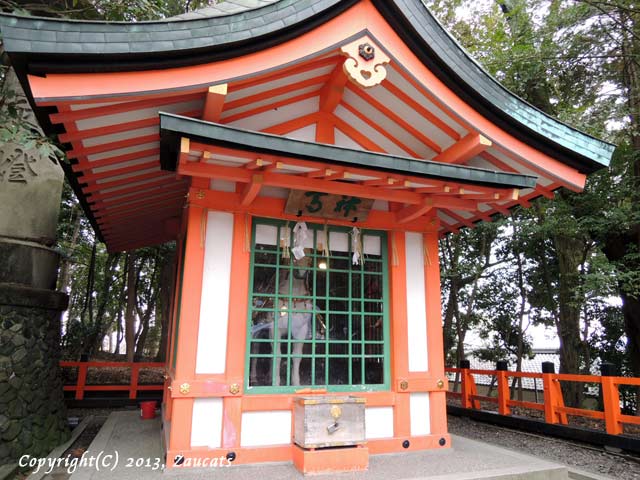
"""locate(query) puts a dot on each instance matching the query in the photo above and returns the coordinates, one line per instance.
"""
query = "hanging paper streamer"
(425, 253)
(356, 246)
(285, 241)
(247, 233)
(395, 260)
(300, 234)
(325, 249)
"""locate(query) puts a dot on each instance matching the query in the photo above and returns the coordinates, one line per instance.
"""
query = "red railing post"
(502, 367)
(610, 399)
(133, 385)
(552, 395)
(468, 386)
(82, 380)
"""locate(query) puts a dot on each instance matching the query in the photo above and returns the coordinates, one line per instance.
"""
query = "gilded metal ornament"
(234, 389)
(364, 65)
(404, 385)
(440, 384)
(185, 388)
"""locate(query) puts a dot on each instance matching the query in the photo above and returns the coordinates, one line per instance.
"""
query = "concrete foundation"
(133, 438)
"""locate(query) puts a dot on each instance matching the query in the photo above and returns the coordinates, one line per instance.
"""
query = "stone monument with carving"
(32, 412)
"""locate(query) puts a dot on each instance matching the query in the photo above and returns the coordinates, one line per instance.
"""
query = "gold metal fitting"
(200, 194)
(234, 389)
(185, 388)
(404, 385)
(336, 412)
(440, 384)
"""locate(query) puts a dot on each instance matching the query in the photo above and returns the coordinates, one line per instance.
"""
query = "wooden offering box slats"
(325, 421)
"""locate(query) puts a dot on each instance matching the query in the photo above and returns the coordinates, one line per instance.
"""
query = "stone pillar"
(32, 411)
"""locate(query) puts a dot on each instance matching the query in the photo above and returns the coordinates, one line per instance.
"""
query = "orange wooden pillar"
(438, 398)
(186, 329)
(237, 329)
(399, 334)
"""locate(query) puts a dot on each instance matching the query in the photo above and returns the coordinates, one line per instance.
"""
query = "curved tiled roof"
(243, 26)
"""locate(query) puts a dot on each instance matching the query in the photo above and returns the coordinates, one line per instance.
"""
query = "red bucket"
(148, 410)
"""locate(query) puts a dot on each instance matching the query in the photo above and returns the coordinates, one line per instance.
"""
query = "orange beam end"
(214, 102)
(465, 149)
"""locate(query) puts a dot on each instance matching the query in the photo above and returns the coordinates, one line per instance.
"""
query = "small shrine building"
(305, 155)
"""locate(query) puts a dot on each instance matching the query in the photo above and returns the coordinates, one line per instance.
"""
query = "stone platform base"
(130, 436)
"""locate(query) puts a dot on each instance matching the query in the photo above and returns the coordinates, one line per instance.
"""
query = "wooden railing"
(133, 387)
(552, 404)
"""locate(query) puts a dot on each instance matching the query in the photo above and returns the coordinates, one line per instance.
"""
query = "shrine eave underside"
(173, 128)
(39, 46)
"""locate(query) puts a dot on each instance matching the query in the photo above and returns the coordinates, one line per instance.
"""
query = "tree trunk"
(167, 278)
(129, 316)
(569, 252)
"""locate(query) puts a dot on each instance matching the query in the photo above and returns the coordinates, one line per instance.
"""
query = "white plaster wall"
(206, 422)
(265, 428)
(420, 419)
(378, 422)
(214, 303)
(416, 303)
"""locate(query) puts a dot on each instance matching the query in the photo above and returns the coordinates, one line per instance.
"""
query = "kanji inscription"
(325, 205)
(16, 166)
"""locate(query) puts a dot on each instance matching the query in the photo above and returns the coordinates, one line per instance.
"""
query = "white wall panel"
(214, 303)
(206, 423)
(419, 408)
(416, 303)
(266, 428)
(378, 422)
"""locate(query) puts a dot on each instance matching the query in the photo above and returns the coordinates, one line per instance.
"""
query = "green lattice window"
(322, 312)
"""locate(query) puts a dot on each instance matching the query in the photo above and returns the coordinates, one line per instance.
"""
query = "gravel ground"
(583, 457)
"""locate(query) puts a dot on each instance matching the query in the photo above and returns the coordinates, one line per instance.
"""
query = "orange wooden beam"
(141, 194)
(110, 146)
(465, 149)
(395, 118)
(382, 131)
(105, 211)
(292, 125)
(274, 92)
(298, 183)
(251, 190)
(269, 106)
(423, 111)
(74, 115)
(91, 177)
(104, 162)
(214, 102)
(331, 92)
(70, 136)
(414, 211)
(454, 203)
(134, 190)
(356, 136)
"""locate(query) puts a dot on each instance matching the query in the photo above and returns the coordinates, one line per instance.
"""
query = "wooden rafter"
(74, 115)
(394, 117)
(214, 102)
(332, 91)
(104, 162)
(465, 149)
(251, 190)
(110, 146)
(412, 212)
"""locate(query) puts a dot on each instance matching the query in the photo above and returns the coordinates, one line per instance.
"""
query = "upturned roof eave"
(38, 45)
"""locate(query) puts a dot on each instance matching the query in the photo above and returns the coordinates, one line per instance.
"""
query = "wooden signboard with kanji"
(325, 205)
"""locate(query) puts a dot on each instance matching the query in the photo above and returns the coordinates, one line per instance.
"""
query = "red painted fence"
(133, 387)
(553, 405)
